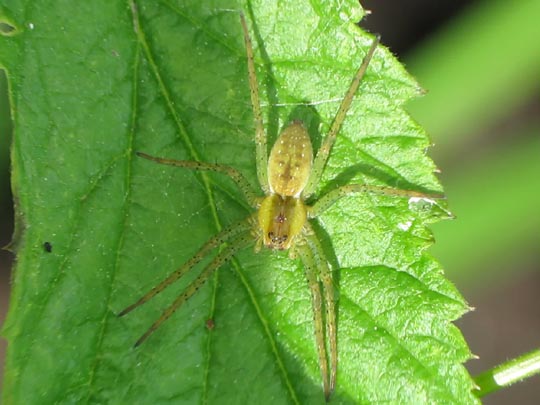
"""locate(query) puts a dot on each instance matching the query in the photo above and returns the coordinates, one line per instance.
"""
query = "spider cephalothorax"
(281, 221)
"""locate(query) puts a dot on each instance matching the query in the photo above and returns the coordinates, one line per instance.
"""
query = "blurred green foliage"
(478, 71)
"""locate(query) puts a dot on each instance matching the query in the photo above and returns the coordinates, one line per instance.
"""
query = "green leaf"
(93, 82)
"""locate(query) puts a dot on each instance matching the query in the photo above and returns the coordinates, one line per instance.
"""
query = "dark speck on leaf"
(48, 247)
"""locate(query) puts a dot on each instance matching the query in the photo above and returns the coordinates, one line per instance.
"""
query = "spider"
(281, 219)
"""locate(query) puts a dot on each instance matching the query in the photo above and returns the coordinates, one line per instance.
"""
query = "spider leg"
(329, 199)
(234, 174)
(260, 134)
(310, 267)
(325, 275)
(221, 258)
(217, 240)
(326, 145)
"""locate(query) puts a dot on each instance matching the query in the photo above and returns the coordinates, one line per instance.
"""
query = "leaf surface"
(93, 82)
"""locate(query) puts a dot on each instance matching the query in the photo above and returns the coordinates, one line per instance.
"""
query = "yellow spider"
(281, 219)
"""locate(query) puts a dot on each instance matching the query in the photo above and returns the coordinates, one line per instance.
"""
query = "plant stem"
(508, 373)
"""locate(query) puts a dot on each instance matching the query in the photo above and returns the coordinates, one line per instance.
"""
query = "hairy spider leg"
(219, 239)
(261, 149)
(222, 257)
(325, 276)
(323, 203)
(310, 268)
(326, 146)
(317, 259)
(234, 174)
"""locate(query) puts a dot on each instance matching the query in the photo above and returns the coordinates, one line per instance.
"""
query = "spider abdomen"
(290, 161)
